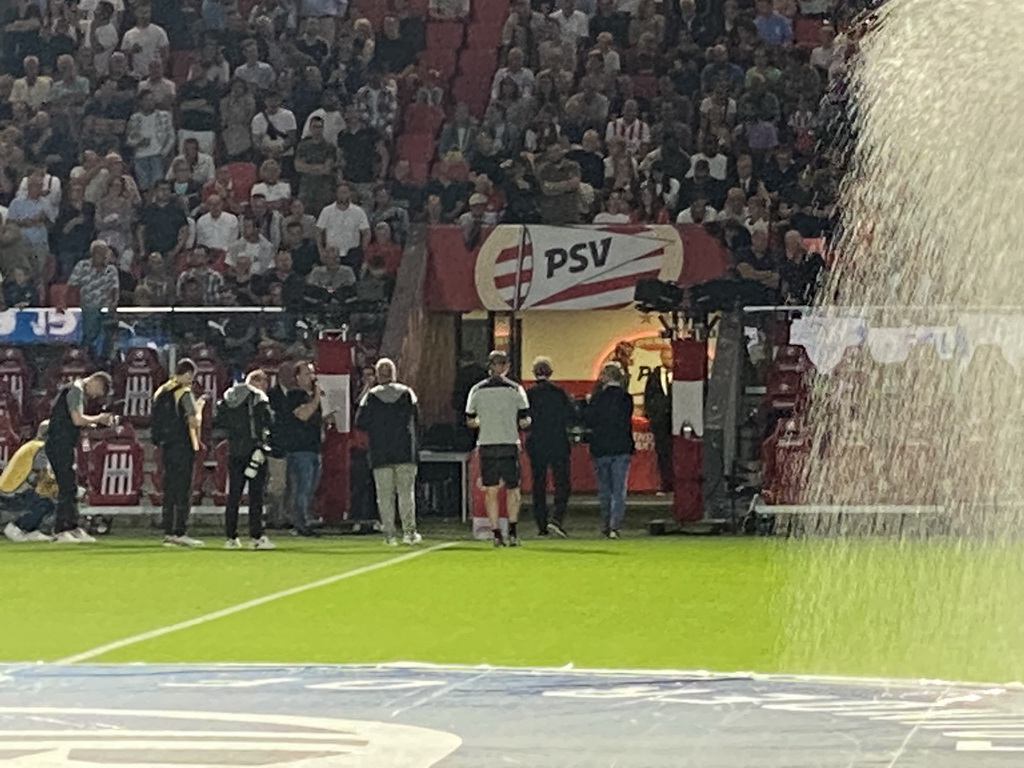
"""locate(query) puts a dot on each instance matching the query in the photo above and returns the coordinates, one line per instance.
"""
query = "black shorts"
(499, 463)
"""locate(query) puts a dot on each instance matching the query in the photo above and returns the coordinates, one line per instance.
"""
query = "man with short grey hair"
(547, 445)
(389, 414)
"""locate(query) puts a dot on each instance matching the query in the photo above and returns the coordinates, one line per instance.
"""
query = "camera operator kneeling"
(245, 415)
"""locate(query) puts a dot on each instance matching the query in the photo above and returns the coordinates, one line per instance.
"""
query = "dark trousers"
(559, 465)
(178, 462)
(663, 449)
(236, 485)
(62, 460)
(33, 508)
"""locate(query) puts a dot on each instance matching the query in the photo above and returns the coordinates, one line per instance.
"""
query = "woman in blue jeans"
(609, 416)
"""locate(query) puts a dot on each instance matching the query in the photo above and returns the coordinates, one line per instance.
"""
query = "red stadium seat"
(416, 147)
(423, 119)
(136, 378)
(115, 471)
(269, 359)
(646, 87)
(805, 32)
(181, 63)
(444, 36)
(156, 497)
(211, 379)
(443, 60)
(243, 178)
(63, 295)
(783, 458)
(792, 357)
(15, 374)
(478, 64)
(473, 92)
(74, 364)
(485, 36)
(787, 391)
(490, 12)
(419, 171)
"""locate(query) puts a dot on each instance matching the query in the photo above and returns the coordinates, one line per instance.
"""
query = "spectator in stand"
(699, 212)
(449, 9)
(393, 53)
(559, 180)
(718, 68)
(254, 246)
(386, 211)
(297, 215)
(452, 192)
(237, 113)
(522, 193)
(609, 18)
(718, 163)
(520, 28)
(800, 272)
(385, 247)
(364, 155)
(735, 208)
(241, 285)
(616, 210)
(315, 161)
(164, 91)
(647, 21)
(827, 53)
(276, 192)
(217, 229)
(781, 172)
(330, 115)
(312, 44)
(274, 129)
(19, 290)
(665, 188)
(474, 220)
(589, 158)
(611, 62)
(303, 249)
(269, 222)
(158, 282)
(68, 94)
(32, 91)
(631, 129)
(99, 289)
(200, 165)
(258, 74)
(458, 136)
(718, 111)
(609, 415)
(772, 28)
(198, 270)
(331, 275)
(345, 226)
(144, 42)
(516, 71)
(34, 214)
(211, 67)
(509, 114)
(759, 264)
(573, 26)
(620, 168)
(73, 230)
(163, 227)
(151, 135)
(800, 80)
(378, 104)
(375, 286)
(585, 111)
(764, 67)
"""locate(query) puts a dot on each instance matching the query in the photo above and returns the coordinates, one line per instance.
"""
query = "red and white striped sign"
(539, 267)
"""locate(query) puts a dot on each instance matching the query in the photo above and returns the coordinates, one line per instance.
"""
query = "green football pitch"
(934, 609)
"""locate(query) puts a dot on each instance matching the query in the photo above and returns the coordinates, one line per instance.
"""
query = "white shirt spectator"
(273, 192)
(203, 172)
(260, 75)
(163, 90)
(283, 121)
(34, 95)
(611, 218)
(343, 228)
(217, 234)
(574, 27)
(523, 78)
(612, 62)
(718, 165)
(334, 124)
(260, 253)
(636, 134)
(686, 217)
(150, 39)
(104, 42)
(627, 6)
(51, 189)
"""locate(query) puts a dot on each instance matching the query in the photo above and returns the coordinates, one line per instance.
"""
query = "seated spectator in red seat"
(297, 214)
(332, 276)
(458, 136)
(241, 286)
(375, 284)
(386, 247)
(157, 281)
(516, 71)
(210, 282)
(224, 187)
(163, 226)
(377, 103)
(585, 111)
(290, 285)
(393, 52)
(19, 291)
(200, 165)
(473, 221)
(632, 130)
(404, 190)
(699, 212)
(509, 114)
(72, 232)
(544, 130)
(433, 211)
(452, 193)
(364, 156)
(315, 162)
(386, 211)
(781, 171)
(275, 191)
(620, 168)
(304, 252)
(253, 246)
(801, 272)
(274, 130)
(758, 262)
(216, 230)
(449, 9)
(616, 210)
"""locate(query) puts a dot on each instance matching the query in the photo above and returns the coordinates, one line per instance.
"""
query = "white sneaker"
(14, 533)
(412, 539)
(188, 541)
(262, 543)
(82, 536)
(66, 537)
(391, 541)
(171, 541)
(37, 536)
(232, 544)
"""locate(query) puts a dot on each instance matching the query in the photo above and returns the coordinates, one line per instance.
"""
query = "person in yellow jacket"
(27, 485)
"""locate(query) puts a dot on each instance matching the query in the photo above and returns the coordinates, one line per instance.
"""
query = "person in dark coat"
(470, 373)
(609, 417)
(547, 445)
(658, 410)
(389, 415)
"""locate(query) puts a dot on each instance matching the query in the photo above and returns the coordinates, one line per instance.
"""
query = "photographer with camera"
(245, 416)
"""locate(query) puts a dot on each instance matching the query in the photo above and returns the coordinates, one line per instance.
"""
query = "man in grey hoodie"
(389, 414)
(245, 415)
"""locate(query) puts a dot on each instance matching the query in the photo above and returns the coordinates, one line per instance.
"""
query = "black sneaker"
(557, 530)
(542, 532)
(513, 541)
(499, 542)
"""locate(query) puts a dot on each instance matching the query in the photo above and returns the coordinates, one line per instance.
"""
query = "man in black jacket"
(547, 445)
(610, 420)
(658, 410)
(246, 417)
(389, 415)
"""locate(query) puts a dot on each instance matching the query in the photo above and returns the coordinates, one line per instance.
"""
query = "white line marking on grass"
(106, 648)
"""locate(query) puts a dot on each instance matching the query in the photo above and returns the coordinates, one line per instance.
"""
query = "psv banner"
(522, 267)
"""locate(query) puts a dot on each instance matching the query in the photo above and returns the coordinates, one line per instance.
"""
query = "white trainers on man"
(182, 541)
(262, 543)
(66, 537)
(232, 544)
(37, 536)
(82, 536)
(14, 533)
(411, 539)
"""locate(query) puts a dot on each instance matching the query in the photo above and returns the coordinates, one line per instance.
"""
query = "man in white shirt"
(276, 192)
(699, 212)
(258, 74)
(163, 90)
(201, 166)
(573, 25)
(151, 134)
(718, 164)
(631, 129)
(33, 90)
(218, 229)
(254, 246)
(515, 71)
(343, 225)
(144, 42)
(273, 129)
(331, 114)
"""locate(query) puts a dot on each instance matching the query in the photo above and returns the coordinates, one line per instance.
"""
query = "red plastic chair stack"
(114, 469)
(784, 456)
(136, 378)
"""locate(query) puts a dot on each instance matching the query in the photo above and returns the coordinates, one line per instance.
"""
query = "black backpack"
(165, 421)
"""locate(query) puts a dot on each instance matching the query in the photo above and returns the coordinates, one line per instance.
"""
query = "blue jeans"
(303, 479)
(148, 171)
(34, 509)
(612, 472)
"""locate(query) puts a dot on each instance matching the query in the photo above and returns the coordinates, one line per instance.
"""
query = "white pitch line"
(106, 648)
